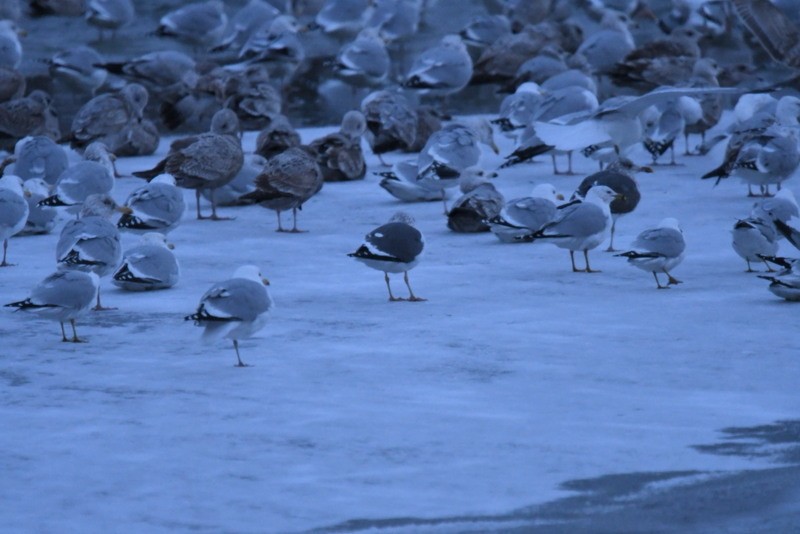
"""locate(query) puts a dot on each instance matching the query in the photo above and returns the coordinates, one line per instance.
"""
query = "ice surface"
(515, 377)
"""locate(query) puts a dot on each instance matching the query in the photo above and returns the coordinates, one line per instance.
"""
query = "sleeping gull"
(30, 115)
(480, 202)
(105, 117)
(286, 182)
(205, 161)
(365, 61)
(109, 14)
(201, 24)
(91, 243)
(658, 250)
(276, 137)
(525, 215)
(10, 48)
(442, 70)
(396, 20)
(753, 238)
(247, 20)
(63, 296)
(391, 122)
(148, 266)
(155, 207)
(154, 69)
(619, 177)
(579, 226)
(13, 211)
(93, 175)
(39, 157)
(236, 308)
(785, 284)
(339, 154)
(343, 16)
(603, 49)
(394, 247)
(401, 183)
(79, 67)
(41, 219)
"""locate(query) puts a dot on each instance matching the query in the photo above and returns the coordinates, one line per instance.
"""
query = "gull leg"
(280, 227)
(392, 298)
(569, 162)
(555, 168)
(611, 243)
(380, 158)
(98, 306)
(294, 229)
(672, 154)
(75, 338)
(588, 268)
(239, 363)
(672, 280)
(5, 250)
(214, 216)
(750, 269)
(444, 202)
(63, 333)
(766, 263)
(412, 297)
(686, 151)
(200, 217)
(572, 259)
(750, 191)
(659, 283)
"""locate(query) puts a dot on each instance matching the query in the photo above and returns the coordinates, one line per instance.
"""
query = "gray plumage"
(39, 157)
(230, 194)
(13, 210)
(62, 296)
(443, 69)
(155, 207)
(109, 14)
(92, 176)
(148, 266)
(365, 61)
(155, 69)
(753, 238)
(106, 117)
(199, 24)
(342, 16)
(523, 216)
(401, 182)
(658, 250)
(79, 68)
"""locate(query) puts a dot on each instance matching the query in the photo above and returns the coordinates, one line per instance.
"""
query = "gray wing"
(442, 67)
(66, 289)
(454, 146)
(40, 157)
(566, 102)
(13, 211)
(236, 299)
(633, 107)
(578, 220)
(157, 204)
(367, 56)
(91, 243)
(529, 212)
(667, 242)
(153, 263)
(83, 179)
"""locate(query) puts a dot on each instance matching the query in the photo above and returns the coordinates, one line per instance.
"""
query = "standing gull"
(286, 182)
(754, 238)
(205, 161)
(394, 247)
(658, 250)
(579, 226)
(148, 266)
(13, 211)
(63, 296)
(235, 309)
(91, 243)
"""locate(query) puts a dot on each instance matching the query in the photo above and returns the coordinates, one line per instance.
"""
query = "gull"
(276, 43)
(615, 120)
(451, 150)
(606, 47)
(395, 247)
(13, 211)
(441, 70)
(401, 183)
(785, 284)
(780, 208)
(658, 250)
(236, 308)
(480, 202)
(205, 161)
(669, 121)
(364, 61)
(396, 20)
(202, 24)
(12, 84)
(29, 115)
(339, 154)
(230, 194)
(286, 182)
(106, 117)
(579, 226)
(779, 36)
(483, 30)
(526, 215)
(518, 109)
(38, 156)
(247, 20)
(619, 177)
(10, 48)
(63, 296)
(93, 175)
(91, 243)
(753, 238)
(155, 207)
(391, 122)
(148, 266)
(41, 219)
(156, 70)
(79, 68)
(342, 16)
(109, 14)
(276, 137)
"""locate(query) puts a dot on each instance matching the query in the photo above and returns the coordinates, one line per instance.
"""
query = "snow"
(515, 377)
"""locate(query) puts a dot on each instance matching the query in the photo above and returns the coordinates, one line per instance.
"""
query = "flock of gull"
(574, 77)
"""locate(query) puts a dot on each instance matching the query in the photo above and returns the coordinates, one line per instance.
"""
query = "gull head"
(402, 217)
(225, 122)
(101, 205)
(548, 192)
(250, 272)
(354, 124)
(603, 193)
(474, 176)
(157, 239)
